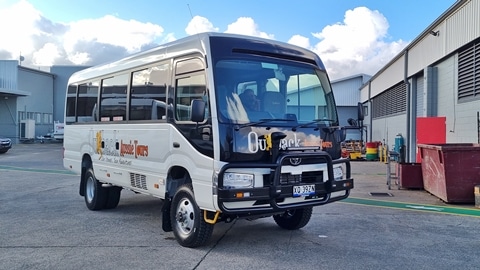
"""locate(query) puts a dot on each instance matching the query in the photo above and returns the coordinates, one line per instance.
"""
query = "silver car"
(5, 144)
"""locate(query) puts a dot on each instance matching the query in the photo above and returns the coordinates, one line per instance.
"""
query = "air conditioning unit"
(27, 129)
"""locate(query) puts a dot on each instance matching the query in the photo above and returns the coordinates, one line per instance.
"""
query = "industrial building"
(430, 92)
(347, 96)
(31, 100)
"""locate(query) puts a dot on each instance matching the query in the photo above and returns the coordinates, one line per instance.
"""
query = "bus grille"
(305, 177)
(138, 181)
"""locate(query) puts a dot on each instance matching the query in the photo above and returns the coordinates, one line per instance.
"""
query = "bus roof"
(192, 44)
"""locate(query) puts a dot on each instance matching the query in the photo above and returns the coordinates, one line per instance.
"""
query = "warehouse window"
(469, 72)
(393, 101)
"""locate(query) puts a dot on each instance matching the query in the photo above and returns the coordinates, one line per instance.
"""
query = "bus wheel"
(189, 227)
(294, 219)
(95, 194)
(113, 197)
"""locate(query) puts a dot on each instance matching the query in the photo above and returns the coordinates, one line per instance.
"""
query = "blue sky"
(351, 36)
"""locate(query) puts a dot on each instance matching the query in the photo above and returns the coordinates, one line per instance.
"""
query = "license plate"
(304, 190)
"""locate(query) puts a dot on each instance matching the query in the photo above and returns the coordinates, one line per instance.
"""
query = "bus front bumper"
(281, 197)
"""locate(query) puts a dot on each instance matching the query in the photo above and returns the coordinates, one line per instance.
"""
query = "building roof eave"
(11, 92)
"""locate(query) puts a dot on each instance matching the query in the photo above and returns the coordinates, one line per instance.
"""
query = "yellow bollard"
(383, 154)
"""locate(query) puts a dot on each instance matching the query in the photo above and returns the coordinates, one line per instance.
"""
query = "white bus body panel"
(138, 157)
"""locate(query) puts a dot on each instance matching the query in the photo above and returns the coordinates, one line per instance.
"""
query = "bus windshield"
(250, 91)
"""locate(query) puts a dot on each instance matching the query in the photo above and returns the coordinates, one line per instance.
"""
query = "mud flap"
(166, 222)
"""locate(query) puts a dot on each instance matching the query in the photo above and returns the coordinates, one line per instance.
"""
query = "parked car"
(5, 144)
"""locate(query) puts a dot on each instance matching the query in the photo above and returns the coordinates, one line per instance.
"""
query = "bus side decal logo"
(99, 144)
(110, 147)
(134, 149)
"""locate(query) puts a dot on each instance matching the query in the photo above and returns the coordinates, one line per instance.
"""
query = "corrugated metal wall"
(8, 74)
(463, 26)
(347, 92)
(385, 129)
(364, 93)
(420, 95)
(8, 109)
(389, 77)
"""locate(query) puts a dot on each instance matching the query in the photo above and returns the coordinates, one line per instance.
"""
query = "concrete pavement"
(46, 225)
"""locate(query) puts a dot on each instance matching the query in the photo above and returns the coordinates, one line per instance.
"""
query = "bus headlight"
(238, 180)
(338, 173)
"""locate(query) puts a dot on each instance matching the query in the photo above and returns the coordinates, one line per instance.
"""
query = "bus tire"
(113, 197)
(294, 219)
(188, 225)
(95, 194)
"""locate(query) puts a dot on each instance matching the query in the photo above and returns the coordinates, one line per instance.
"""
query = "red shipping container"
(451, 171)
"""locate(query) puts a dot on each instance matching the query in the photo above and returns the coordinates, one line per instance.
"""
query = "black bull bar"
(276, 192)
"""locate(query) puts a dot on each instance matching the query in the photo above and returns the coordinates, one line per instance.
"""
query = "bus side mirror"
(360, 112)
(197, 113)
(340, 134)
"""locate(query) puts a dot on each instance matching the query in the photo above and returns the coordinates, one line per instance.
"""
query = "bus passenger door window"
(188, 89)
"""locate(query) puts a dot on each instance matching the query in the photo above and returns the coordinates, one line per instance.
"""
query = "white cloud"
(47, 55)
(131, 35)
(199, 24)
(78, 58)
(358, 45)
(84, 42)
(300, 40)
(242, 26)
(247, 26)
(18, 26)
(108, 31)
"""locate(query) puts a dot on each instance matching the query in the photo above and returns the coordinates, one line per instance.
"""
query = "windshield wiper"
(262, 121)
(315, 121)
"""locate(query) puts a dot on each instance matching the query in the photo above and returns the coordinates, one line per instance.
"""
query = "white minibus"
(218, 126)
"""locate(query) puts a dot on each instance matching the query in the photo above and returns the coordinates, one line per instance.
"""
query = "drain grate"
(381, 194)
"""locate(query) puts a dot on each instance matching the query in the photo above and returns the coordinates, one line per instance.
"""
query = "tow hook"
(210, 221)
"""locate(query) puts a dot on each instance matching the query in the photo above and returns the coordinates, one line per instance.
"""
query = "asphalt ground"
(44, 224)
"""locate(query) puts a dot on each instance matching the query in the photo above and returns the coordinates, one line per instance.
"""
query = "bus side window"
(114, 98)
(148, 93)
(86, 101)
